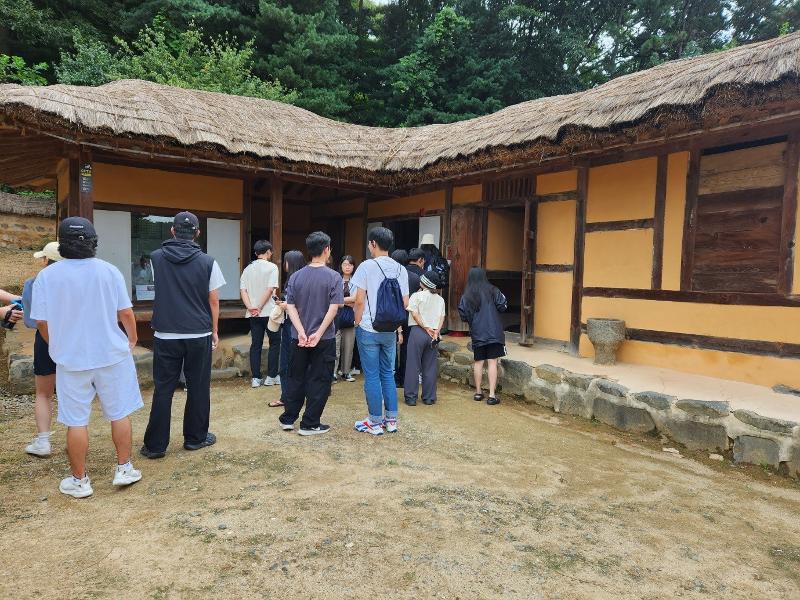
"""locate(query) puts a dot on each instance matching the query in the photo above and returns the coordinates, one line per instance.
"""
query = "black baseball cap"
(430, 280)
(186, 220)
(76, 228)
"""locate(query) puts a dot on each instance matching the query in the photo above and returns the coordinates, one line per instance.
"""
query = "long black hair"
(293, 261)
(74, 248)
(478, 288)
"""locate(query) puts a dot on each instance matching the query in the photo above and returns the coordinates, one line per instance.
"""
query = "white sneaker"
(286, 426)
(254, 382)
(38, 447)
(366, 427)
(270, 381)
(76, 488)
(390, 425)
(126, 476)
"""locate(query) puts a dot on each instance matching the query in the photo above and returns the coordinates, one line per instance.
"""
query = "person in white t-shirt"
(185, 320)
(78, 304)
(426, 317)
(257, 287)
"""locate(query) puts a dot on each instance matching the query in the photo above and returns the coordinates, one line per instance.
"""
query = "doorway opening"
(504, 260)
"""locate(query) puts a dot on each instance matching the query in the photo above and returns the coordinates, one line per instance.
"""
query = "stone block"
(541, 393)
(441, 361)
(460, 373)
(144, 367)
(793, 464)
(447, 349)
(622, 416)
(697, 436)
(550, 374)
(704, 408)
(517, 376)
(20, 375)
(578, 380)
(573, 401)
(755, 450)
(226, 373)
(241, 360)
(462, 358)
(786, 389)
(655, 400)
(611, 388)
(765, 423)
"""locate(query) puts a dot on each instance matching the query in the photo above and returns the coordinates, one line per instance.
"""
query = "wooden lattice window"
(738, 217)
(509, 190)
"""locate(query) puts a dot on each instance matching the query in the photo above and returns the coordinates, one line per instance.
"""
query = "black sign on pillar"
(86, 178)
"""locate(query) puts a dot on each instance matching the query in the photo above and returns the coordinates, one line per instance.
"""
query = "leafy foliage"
(14, 70)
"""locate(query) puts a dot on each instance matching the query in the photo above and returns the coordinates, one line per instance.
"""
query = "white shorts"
(117, 387)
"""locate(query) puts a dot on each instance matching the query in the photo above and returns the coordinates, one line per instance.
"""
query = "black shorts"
(42, 363)
(489, 351)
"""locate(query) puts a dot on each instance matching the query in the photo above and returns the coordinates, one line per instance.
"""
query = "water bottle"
(7, 324)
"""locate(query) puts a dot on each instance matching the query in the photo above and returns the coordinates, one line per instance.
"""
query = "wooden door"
(528, 273)
(466, 233)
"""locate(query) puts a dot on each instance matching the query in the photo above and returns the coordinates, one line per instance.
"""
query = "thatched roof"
(261, 129)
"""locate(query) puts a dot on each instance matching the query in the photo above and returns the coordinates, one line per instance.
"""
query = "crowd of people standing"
(382, 319)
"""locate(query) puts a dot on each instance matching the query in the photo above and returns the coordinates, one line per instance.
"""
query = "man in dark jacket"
(415, 268)
(185, 317)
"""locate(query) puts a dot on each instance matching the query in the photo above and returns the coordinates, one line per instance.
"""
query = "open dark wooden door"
(528, 273)
(466, 233)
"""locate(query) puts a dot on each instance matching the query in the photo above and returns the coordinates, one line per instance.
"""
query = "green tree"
(13, 69)
(179, 58)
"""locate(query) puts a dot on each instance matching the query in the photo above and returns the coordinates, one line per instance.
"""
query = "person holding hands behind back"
(427, 313)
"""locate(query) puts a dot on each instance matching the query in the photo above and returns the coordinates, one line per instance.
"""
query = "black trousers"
(169, 357)
(258, 326)
(309, 380)
(402, 358)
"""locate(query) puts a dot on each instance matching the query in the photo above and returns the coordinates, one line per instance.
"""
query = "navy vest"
(181, 297)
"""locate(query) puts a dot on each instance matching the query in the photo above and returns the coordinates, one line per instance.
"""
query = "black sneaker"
(411, 401)
(147, 453)
(427, 401)
(210, 440)
(320, 429)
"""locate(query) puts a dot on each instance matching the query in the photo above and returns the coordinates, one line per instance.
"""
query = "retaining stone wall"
(697, 424)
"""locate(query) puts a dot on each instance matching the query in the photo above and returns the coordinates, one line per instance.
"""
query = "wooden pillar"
(276, 218)
(448, 207)
(577, 272)
(690, 220)
(247, 223)
(788, 251)
(529, 231)
(81, 185)
(658, 222)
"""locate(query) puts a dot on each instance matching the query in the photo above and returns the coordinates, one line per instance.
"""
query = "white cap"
(50, 252)
(427, 239)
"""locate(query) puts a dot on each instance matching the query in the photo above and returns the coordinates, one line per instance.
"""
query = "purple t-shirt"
(312, 290)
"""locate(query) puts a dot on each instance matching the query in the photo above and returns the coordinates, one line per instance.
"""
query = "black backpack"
(390, 312)
(441, 267)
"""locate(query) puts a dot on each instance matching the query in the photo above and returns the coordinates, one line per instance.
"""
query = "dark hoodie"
(182, 273)
(485, 325)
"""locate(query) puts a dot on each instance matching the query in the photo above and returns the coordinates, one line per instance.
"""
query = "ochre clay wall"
(504, 240)
(116, 184)
(406, 205)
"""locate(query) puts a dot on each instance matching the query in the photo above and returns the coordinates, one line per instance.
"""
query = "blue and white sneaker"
(390, 425)
(366, 426)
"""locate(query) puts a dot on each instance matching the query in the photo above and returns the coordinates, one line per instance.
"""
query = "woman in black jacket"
(481, 306)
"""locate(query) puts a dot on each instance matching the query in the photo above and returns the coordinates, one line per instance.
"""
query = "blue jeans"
(377, 352)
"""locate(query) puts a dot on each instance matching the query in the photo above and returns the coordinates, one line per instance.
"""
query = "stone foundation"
(697, 424)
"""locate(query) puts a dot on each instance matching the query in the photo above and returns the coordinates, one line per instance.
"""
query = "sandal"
(492, 400)
(275, 404)
(478, 397)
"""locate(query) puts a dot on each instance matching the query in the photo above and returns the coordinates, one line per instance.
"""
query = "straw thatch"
(252, 128)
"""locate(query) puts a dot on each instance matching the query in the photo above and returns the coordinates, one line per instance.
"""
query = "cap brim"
(39, 254)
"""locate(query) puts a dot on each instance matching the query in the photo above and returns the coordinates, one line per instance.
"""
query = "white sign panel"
(114, 240)
(223, 241)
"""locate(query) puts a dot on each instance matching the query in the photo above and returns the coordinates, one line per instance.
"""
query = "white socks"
(44, 436)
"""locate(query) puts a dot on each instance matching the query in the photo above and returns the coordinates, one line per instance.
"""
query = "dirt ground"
(466, 501)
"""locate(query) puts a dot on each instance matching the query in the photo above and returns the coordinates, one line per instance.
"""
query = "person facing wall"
(426, 317)
(257, 287)
(185, 320)
(78, 304)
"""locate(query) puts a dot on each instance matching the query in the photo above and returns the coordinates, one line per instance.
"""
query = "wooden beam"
(557, 197)
(690, 219)
(707, 342)
(577, 274)
(528, 292)
(276, 219)
(658, 222)
(555, 268)
(788, 250)
(739, 298)
(619, 225)
(448, 209)
(165, 212)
